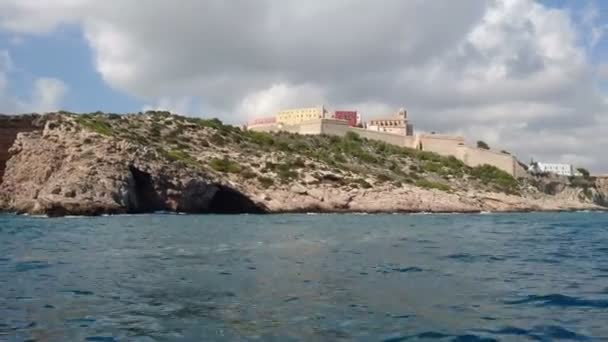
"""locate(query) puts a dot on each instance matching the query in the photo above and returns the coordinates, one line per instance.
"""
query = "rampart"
(394, 139)
(475, 157)
(445, 145)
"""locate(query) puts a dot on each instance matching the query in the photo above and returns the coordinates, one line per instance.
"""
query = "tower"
(402, 114)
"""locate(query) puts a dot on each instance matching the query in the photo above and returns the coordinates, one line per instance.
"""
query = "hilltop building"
(398, 124)
(558, 169)
(299, 115)
(395, 130)
(261, 123)
(349, 116)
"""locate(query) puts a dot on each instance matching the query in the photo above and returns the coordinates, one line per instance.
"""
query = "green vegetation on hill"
(281, 158)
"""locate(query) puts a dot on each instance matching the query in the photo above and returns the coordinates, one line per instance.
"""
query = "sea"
(326, 277)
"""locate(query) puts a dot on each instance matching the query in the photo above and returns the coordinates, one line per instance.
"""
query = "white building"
(558, 169)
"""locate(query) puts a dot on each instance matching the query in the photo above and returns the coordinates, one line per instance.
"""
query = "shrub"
(156, 129)
(352, 136)
(265, 181)
(427, 184)
(432, 167)
(383, 178)
(178, 155)
(286, 175)
(586, 174)
(260, 138)
(360, 182)
(429, 156)
(339, 158)
(298, 162)
(493, 175)
(224, 165)
(248, 173)
(483, 145)
(218, 140)
(94, 124)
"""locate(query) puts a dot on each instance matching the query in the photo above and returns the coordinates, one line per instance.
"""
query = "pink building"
(262, 121)
(350, 116)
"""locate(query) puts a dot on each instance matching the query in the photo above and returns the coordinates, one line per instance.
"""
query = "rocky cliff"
(10, 126)
(99, 163)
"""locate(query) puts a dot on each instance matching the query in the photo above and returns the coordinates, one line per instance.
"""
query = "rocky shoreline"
(108, 164)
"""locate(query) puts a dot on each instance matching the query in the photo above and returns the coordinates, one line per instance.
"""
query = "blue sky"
(63, 54)
(528, 76)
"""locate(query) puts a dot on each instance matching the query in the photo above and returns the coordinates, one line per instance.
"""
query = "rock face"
(10, 126)
(601, 185)
(53, 172)
(61, 165)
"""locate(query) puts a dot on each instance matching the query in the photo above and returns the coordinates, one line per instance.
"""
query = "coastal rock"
(63, 165)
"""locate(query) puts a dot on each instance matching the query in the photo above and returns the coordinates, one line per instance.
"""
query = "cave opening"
(230, 201)
(146, 198)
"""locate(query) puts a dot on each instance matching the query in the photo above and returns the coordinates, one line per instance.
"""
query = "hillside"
(107, 163)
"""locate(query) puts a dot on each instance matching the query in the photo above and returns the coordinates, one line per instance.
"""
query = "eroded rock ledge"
(62, 165)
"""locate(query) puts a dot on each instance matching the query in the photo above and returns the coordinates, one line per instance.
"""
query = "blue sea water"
(496, 277)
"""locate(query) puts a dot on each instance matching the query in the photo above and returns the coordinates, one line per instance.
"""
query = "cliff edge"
(99, 163)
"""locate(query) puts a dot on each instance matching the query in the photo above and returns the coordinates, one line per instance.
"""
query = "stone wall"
(394, 139)
(445, 145)
(10, 126)
(268, 127)
(475, 157)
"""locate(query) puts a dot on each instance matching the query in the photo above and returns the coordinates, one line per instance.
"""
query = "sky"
(526, 76)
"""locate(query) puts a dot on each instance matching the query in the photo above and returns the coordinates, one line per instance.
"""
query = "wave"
(561, 301)
(540, 333)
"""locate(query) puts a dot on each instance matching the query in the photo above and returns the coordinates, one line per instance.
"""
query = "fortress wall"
(263, 128)
(335, 127)
(394, 139)
(474, 157)
(445, 145)
(312, 127)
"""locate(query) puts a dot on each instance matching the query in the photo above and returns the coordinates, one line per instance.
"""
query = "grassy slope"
(284, 158)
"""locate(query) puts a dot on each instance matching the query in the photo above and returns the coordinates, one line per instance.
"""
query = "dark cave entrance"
(229, 201)
(146, 198)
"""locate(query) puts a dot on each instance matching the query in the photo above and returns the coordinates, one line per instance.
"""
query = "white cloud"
(278, 96)
(513, 72)
(47, 93)
(47, 96)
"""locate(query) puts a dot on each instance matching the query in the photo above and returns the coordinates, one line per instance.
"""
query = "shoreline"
(324, 212)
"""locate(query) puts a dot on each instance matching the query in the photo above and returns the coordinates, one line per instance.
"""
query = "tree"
(482, 145)
(584, 172)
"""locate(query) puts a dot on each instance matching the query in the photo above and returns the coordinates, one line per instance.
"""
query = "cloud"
(47, 96)
(513, 72)
(47, 93)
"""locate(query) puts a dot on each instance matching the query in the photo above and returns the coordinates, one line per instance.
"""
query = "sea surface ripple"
(497, 277)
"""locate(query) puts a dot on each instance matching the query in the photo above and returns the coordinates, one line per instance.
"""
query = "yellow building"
(398, 124)
(298, 115)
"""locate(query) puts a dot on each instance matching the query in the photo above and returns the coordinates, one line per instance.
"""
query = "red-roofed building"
(262, 121)
(350, 116)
